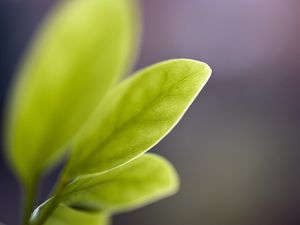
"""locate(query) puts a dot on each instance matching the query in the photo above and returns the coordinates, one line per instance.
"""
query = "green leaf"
(139, 182)
(80, 51)
(64, 215)
(136, 115)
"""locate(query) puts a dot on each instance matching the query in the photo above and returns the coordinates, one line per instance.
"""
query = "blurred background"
(237, 149)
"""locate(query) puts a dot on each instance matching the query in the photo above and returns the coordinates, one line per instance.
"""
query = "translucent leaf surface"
(143, 180)
(136, 114)
(64, 215)
(81, 50)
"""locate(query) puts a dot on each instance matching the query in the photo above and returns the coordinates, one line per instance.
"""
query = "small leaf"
(81, 50)
(141, 181)
(135, 115)
(64, 215)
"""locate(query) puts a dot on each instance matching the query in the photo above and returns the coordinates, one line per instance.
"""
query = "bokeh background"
(237, 150)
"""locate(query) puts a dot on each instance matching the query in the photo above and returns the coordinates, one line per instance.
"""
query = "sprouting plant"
(67, 103)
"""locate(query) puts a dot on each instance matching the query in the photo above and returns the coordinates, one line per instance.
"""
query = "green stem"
(51, 205)
(29, 200)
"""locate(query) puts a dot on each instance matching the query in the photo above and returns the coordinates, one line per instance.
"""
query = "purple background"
(237, 149)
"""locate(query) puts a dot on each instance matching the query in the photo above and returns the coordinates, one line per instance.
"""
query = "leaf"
(144, 180)
(80, 51)
(136, 115)
(64, 215)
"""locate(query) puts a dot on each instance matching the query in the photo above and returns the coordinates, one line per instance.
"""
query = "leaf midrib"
(127, 123)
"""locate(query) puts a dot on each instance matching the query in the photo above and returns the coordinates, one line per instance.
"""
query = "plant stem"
(50, 207)
(29, 200)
